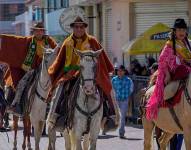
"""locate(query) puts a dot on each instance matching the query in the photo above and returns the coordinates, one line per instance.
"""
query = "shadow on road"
(135, 126)
(107, 136)
(133, 139)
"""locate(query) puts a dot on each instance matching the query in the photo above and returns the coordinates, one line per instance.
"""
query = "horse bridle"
(88, 114)
(91, 79)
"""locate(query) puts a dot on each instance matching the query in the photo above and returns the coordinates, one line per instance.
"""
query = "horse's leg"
(6, 118)
(86, 142)
(94, 132)
(75, 140)
(67, 140)
(24, 132)
(28, 133)
(148, 130)
(158, 133)
(187, 137)
(52, 138)
(164, 139)
(38, 128)
(15, 128)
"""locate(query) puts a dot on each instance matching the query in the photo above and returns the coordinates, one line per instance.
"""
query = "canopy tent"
(151, 41)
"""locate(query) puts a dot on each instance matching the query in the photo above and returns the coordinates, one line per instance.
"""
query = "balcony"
(84, 2)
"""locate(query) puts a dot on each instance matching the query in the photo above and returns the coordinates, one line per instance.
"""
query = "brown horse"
(9, 95)
(166, 122)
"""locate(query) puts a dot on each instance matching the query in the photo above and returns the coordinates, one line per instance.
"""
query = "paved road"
(110, 141)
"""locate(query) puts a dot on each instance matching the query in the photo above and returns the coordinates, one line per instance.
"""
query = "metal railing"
(140, 82)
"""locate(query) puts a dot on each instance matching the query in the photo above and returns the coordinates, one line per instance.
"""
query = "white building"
(8, 10)
(116, 22)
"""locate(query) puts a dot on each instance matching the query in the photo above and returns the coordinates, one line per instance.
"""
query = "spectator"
(150, 61)
(144, 71)
(176, 142)
(123, 87)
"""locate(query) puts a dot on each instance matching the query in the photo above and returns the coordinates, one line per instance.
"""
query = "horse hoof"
(29, 148)
(14, 148)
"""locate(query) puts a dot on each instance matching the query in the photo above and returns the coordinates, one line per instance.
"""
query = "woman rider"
(174, 62)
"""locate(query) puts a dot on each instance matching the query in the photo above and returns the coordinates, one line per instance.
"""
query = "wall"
(120, 27)
(52, 23)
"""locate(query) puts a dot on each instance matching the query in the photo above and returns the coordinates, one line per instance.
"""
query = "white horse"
(88, 109)
(39, 105)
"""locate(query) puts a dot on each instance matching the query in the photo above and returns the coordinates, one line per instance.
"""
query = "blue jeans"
(176, 142)
(123, 106)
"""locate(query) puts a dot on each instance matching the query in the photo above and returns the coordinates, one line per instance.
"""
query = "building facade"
(117, 22)
(32, 14)
(8, 10)
(54, 9)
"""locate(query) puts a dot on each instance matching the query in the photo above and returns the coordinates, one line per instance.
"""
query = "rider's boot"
(52, 115)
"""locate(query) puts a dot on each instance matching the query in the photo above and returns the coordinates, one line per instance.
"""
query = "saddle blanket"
(172, 94)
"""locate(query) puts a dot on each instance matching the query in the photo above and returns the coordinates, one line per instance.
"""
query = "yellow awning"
(151, 41)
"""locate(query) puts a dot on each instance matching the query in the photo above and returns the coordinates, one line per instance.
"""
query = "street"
(110, 141)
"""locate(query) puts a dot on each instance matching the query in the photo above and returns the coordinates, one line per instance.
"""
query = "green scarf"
(27, 64)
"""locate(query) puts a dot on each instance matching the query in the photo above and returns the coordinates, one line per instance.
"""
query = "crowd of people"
(136, 68)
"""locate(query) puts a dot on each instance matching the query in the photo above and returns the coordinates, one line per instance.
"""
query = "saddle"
(169, 92)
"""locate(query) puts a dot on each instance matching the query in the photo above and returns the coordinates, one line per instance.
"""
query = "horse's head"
(88, 65)
(48, 57)
(50, 54)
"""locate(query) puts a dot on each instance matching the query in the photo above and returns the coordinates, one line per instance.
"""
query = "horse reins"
(88, 114)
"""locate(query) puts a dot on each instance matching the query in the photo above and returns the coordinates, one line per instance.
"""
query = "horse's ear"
(59, 44)
(78, 52)
(98, 52)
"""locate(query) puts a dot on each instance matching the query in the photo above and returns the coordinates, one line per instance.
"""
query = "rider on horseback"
(66, 67)
(174, 64)
(30, 51)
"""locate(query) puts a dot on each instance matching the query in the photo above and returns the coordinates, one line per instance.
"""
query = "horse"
(39, 104)
(26, 116)
(88, 109)
(168, 124)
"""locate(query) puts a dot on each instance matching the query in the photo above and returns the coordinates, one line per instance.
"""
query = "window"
(9, 11)
(13, 9)
(64, 3)
(51, 4)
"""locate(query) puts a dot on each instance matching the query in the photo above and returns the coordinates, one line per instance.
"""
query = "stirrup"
(15, 110)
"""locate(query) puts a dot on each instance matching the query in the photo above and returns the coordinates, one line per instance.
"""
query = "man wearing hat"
(66, 65)
(23, 53)
(123, 87)
(174, 64)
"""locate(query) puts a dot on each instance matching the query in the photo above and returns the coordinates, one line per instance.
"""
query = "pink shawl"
(167, 62)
